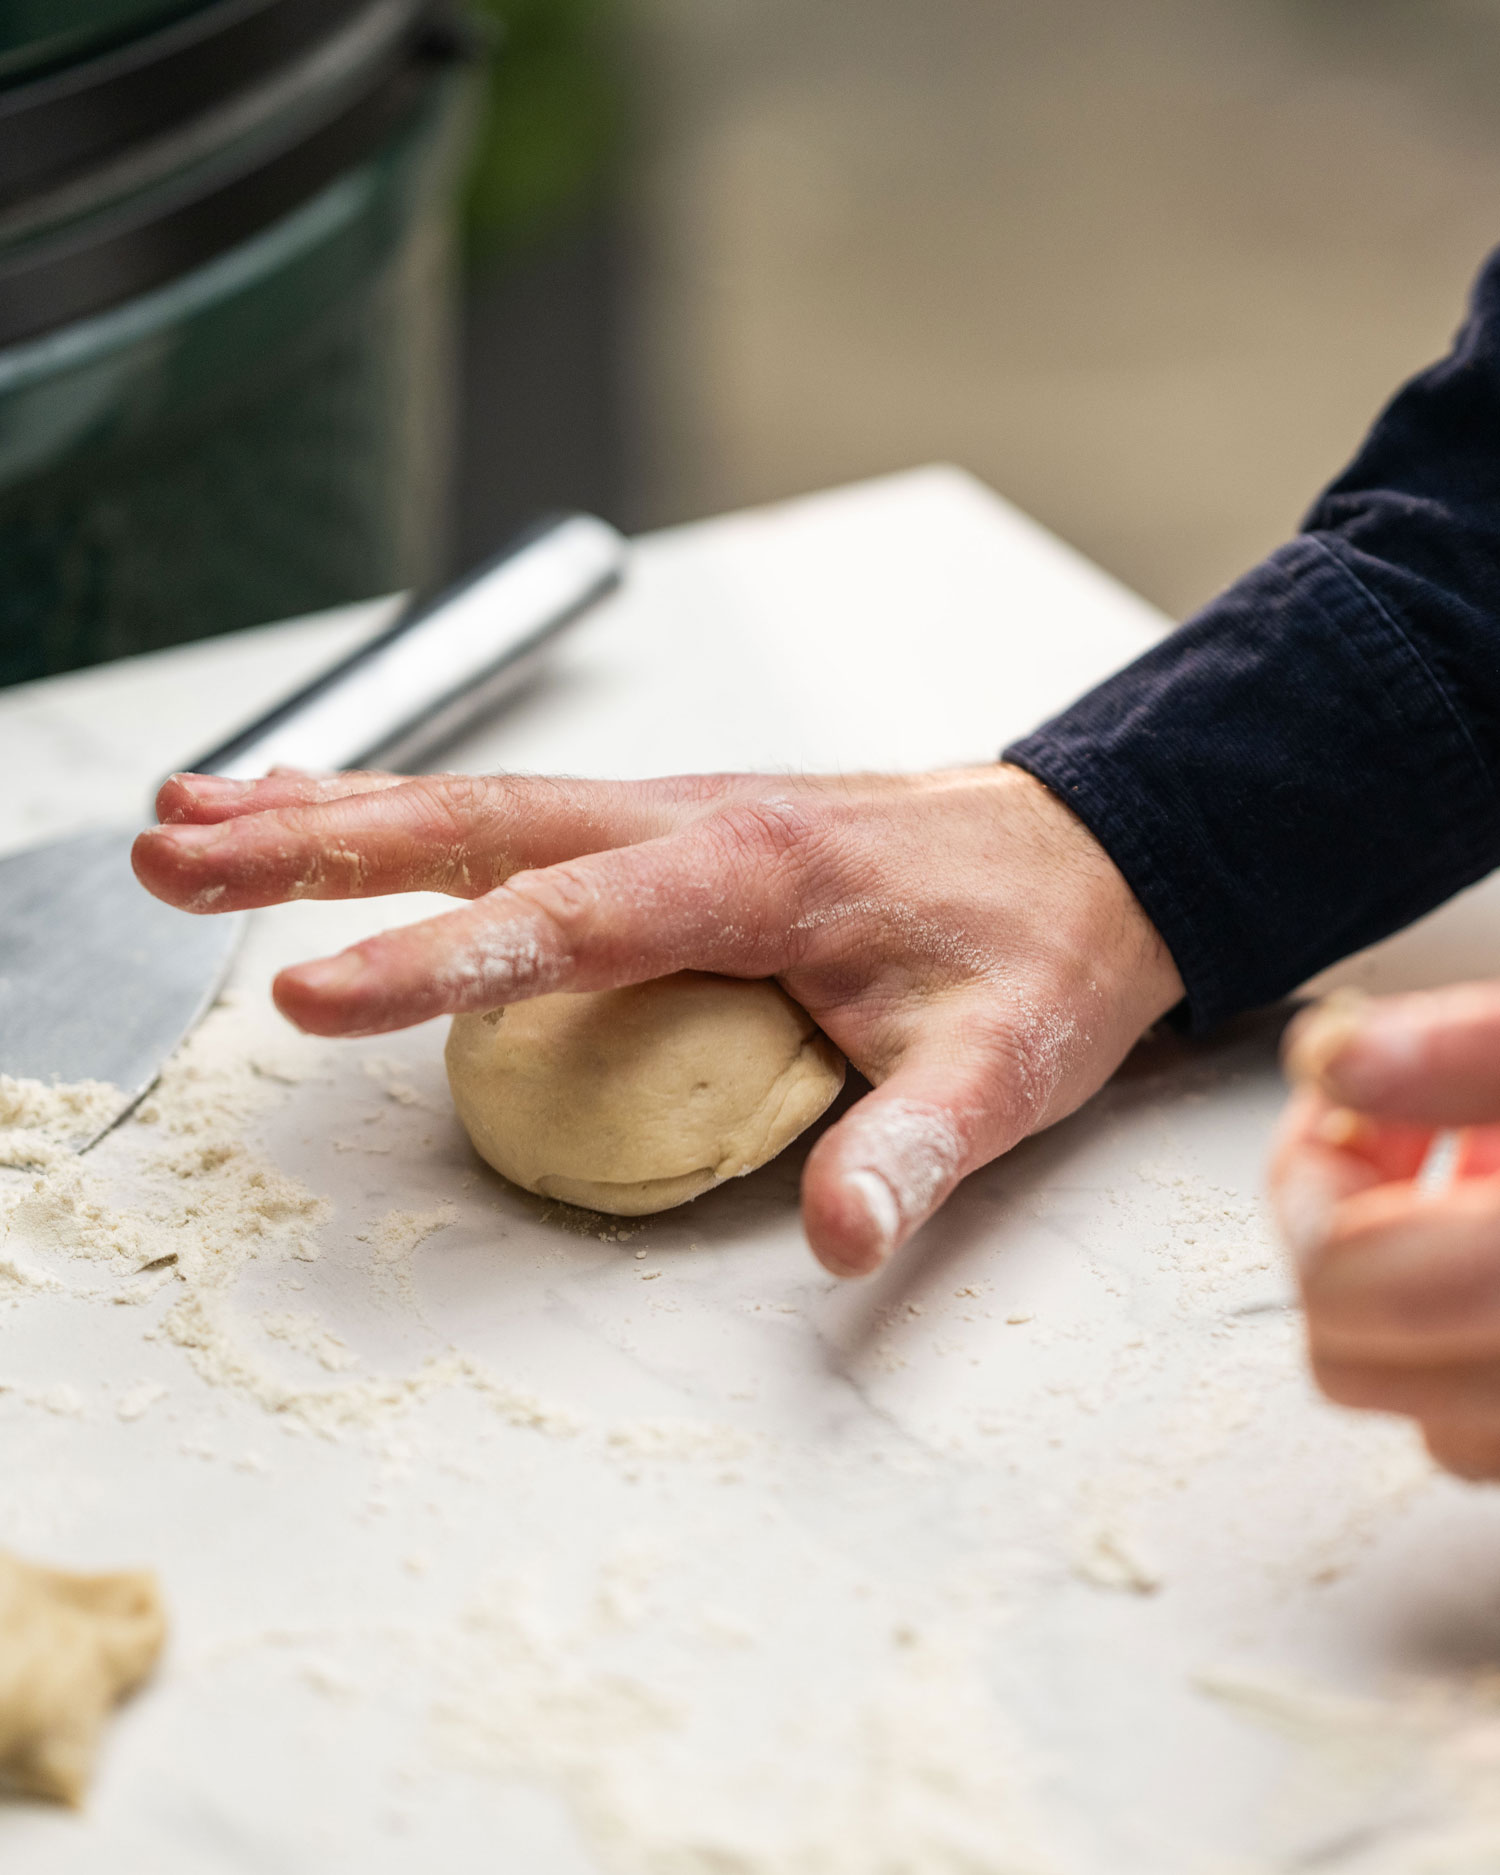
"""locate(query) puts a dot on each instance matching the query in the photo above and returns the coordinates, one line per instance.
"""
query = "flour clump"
(637, 1099)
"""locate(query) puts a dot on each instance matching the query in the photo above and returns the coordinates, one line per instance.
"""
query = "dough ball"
(634, 1100)
(71, 1647)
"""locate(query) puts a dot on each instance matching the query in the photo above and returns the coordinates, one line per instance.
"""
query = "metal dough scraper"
(101, 982)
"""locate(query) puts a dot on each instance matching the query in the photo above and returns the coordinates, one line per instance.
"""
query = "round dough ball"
(634, 1100)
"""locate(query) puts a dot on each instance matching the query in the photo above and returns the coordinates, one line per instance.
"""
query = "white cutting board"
(1035, 1554)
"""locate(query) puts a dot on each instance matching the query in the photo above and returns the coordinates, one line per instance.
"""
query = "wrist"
(1129, 966)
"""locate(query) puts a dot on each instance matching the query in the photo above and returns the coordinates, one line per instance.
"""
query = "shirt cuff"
(1281, 781)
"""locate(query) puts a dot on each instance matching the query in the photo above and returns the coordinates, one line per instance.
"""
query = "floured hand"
(960, 936)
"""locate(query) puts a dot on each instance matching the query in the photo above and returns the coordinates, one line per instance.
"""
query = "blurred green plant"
(550, 121)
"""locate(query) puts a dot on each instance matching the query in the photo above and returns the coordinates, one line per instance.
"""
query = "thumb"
(878, 1175)
(1432, 1058)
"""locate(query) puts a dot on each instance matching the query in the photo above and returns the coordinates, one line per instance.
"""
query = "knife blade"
(101, 982)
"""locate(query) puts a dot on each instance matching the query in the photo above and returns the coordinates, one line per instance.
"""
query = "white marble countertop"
(493, 1543)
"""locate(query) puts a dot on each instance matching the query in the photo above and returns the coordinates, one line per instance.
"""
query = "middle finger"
(461, 834)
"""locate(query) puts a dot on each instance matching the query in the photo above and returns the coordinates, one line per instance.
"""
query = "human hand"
(1401, 1283)
(960, 935)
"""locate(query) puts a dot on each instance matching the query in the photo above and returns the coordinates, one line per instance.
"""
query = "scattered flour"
(907, 1766)
(1108, 1560)
(394, 1239)
(909, 1770)
(304, 1332)
(39, 1122)
(400, 1232)
(1418, 1772)
(679, 1438)
(204, 1206)
(139, 1400)
(579, 1223)
(388, 1077)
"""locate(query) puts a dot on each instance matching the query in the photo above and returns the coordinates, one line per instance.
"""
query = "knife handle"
(441, 666)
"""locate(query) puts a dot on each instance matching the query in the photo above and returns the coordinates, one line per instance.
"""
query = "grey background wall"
(1148, 266)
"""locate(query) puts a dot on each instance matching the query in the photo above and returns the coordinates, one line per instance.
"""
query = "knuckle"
(1009, 1070)
(1019, 1062)
(461, 818)
(443, 809)
(771, 828)
(455, 801)
(567, 894)
(700, 791)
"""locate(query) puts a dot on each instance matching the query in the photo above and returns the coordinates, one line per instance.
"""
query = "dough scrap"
(71, 1647)
(634, 1100)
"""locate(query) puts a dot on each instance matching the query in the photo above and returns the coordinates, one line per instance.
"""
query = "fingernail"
(1321, 1034)
(1440, 1164)
(331, 975)
(1340, 1126)
(190, 838)
(880, 1207)
(1305, 1206)
(210, 786)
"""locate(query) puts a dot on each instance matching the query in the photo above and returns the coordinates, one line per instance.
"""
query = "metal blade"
(98, 980)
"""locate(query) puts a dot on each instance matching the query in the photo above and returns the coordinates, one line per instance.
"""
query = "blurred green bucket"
(36, 34)
(224, 338)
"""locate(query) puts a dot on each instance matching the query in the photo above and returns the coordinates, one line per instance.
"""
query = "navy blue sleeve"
(1313, 760)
